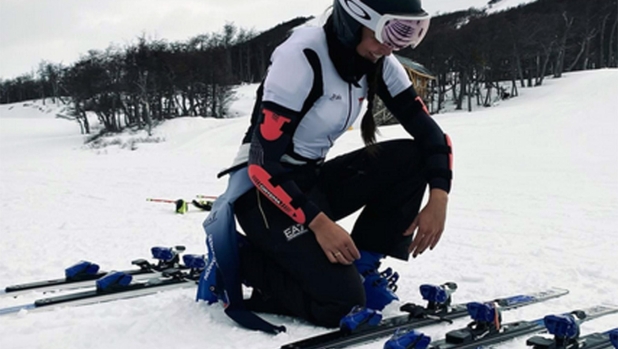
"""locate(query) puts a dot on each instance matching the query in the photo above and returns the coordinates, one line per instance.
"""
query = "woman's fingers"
(418, 245)
(422, 240)
(331, 257)
(347, 254)
(341, 258)
(334, 240)
(354, 252)
(436, 239)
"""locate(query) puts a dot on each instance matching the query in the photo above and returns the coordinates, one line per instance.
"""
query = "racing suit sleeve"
(399, 96)
(286, 99)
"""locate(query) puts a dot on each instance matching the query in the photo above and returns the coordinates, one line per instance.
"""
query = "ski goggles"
(399, 32)
(395, 31)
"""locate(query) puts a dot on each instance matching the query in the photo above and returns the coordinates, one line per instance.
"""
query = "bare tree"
(602, 62)
(559, 67)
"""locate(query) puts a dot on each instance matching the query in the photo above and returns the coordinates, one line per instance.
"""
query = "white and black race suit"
(304, 104)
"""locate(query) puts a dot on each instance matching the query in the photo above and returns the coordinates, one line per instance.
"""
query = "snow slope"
(446, 6)
(534, 204)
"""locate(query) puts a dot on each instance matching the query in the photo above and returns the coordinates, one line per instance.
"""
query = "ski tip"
(610, 305)
(604, 308)
(531, 298)
(16, 309)
(593, 312)
(559, 290)
(553, 292)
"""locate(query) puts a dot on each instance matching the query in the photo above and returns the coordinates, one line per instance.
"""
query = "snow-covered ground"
(534, 205)
(437, 7)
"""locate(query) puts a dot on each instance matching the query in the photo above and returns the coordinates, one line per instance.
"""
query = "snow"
(534, 205)
(447, 6)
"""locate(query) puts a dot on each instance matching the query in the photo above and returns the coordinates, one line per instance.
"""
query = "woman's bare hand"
(334, 240)
(429, 223)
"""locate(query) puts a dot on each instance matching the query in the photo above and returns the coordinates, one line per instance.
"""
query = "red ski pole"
(163, 200)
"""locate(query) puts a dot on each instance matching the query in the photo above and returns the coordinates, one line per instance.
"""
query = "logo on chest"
(335, 97)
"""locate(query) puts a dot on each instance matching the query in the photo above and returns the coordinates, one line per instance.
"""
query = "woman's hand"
(334, 240)
(429, 222)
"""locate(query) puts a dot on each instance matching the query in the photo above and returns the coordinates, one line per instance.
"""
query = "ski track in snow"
(534, 205)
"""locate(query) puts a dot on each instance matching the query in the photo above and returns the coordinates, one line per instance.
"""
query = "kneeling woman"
(287, 198)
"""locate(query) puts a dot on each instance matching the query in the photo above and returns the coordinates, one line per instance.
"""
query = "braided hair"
(368, 123)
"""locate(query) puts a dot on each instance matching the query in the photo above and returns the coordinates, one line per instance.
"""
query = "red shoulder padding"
(271, 127)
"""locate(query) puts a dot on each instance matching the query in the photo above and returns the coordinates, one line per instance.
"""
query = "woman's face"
(370, 48)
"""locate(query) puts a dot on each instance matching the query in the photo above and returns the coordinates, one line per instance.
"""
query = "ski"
(118, 285)
(439, 308)
(598, 340)
(84, 274)
(486, 330)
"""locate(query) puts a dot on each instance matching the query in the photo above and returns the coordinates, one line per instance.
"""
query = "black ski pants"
(290, 273)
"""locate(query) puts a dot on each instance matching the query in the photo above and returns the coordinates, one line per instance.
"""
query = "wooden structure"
(419, 75)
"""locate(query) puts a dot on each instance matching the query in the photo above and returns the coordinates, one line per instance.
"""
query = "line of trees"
(471, 51)
(152, 80)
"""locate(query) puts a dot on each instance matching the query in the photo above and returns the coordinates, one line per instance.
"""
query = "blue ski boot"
(210, 287)
(380, 287)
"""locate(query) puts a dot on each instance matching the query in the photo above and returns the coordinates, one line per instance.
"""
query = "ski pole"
(182, 206)
(205, 197)
(163, 200)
